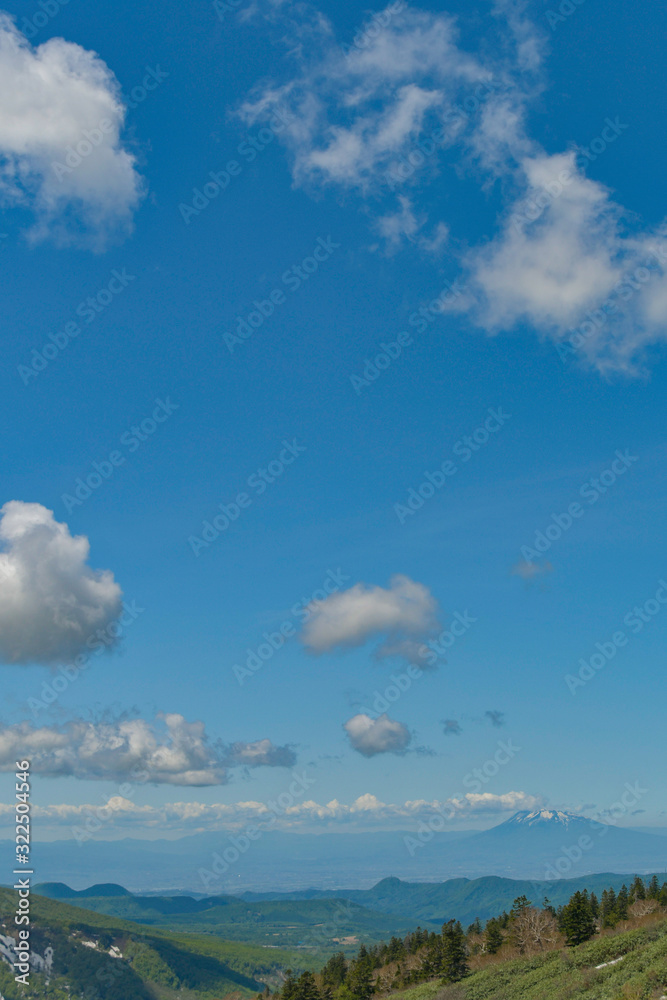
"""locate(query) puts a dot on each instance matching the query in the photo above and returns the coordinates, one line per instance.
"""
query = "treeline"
(444, 955)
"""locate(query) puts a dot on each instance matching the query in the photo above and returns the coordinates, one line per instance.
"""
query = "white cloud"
(357, 112)
(51, 603)
(564, 264)
(169, 751)
(372, 736)
(54, 97)
(405, 612)
(366, 812)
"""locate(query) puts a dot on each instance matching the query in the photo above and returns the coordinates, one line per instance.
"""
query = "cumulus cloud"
(52, 605)
(366, 812)
(564, 264)
(169, 751)
(373, 736)
(61, 153)
(405, 613)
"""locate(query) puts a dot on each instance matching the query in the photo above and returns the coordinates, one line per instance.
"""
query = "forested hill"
(104, 958)
(604, 948)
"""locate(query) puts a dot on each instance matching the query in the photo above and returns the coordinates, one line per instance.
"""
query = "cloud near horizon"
(56, 96)
(170, 750)
(367, 812)
(52, 604)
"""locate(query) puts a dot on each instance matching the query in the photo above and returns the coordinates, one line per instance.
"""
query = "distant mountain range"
(390, 907)
(543, 845)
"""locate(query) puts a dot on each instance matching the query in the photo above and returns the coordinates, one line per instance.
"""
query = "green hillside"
(283, 923)
(155, 965)
(568, 975)
(458, 898)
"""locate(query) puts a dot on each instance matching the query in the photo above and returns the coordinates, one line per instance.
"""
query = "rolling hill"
(370, 916)
(107, 958)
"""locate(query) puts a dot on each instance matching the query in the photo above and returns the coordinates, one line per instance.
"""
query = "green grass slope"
(641, 973)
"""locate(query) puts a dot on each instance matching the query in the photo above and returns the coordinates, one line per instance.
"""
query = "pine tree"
(335, 970)
(577, 920)
(595, 906)
(306, 988)
(662, 898)
(455, 953)
(622, 903)
(637, 889)
(360, 978)
(288, 990)
(519, 906)
(653, 891)
(493, 937)
(475, 927)
(608, 908)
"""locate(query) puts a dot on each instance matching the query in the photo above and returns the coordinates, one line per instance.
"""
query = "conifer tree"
(637, 889)
(306, 987)
(653, 891)
(577, 921)
(622, 903)
(608, 908)
(455, 952)
(493, 937)
(335, 970)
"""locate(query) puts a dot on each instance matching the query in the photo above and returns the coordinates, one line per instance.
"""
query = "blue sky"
(160, 341)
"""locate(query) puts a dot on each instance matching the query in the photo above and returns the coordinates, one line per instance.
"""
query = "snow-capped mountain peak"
(543, 817)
